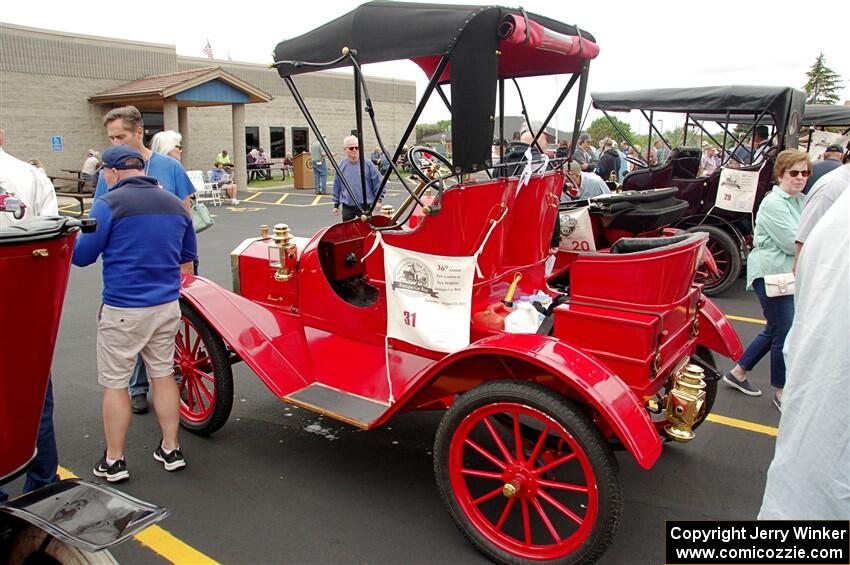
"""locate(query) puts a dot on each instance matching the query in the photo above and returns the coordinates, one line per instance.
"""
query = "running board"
(340, 405)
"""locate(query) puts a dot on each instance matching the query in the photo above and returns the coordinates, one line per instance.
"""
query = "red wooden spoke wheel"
(726, 256)
(527, 476)
(206, 380)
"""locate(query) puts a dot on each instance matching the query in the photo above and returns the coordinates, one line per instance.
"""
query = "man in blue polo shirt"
(350, 168)
(124, 127)
(144, 235)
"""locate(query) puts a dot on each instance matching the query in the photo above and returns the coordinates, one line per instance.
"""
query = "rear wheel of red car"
(706, 357)
(527, 476)
(726, 255)
(206, 385)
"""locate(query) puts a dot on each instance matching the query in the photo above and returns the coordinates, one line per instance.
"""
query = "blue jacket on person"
(144, 234)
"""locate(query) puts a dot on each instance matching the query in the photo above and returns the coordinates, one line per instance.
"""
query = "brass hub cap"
(511, 489)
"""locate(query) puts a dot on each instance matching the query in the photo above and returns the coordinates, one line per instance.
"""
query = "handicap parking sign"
(56, 143)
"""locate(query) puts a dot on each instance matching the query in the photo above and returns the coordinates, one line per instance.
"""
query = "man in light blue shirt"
(350, 168)
(585, 185)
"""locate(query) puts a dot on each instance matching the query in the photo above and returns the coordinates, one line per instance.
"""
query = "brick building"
(55, 88)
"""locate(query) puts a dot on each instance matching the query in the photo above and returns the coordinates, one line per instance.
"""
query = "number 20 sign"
(576, 231)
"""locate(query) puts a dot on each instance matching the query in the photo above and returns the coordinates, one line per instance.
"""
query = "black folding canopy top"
(819, 115)
(826, 115)
(783, 104)
(483, 44)
(389, 31)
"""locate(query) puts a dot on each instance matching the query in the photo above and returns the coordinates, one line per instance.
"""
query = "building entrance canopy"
(173, 93)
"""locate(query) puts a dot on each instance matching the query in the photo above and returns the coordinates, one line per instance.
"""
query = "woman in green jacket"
(773, 254)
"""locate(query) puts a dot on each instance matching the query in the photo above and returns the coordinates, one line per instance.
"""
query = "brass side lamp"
(283, 253)
(684, 402)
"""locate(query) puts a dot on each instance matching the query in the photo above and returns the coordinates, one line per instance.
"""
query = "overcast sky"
(642, 44)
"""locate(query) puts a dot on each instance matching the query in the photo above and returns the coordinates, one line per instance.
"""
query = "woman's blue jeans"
(779, 313)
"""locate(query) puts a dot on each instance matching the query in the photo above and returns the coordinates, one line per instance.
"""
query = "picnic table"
(72, 171)
(269, 166)
(284, 169)
(70, 181)
(82, 188)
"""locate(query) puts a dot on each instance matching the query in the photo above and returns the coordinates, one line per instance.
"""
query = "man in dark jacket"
(609, 161)
(144, 235)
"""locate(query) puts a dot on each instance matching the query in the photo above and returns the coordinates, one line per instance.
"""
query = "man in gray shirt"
(831, 161)
(584, 154)
(320, 167)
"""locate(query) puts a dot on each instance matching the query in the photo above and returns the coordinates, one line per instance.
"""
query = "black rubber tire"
(710, 391)
(29, 547)
(569, 414)
(710, 385)
(222, 372)
(723, 243)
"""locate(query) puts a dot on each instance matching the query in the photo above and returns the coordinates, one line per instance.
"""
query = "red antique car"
(370, 318)
(66, 521)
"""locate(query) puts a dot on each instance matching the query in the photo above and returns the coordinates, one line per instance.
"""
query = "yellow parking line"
(251, 197)
(160, 541)
(316, 200)
(745, 319)
(282, 198)
(742, 424)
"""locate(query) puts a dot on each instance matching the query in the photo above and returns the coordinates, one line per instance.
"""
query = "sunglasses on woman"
(793, 173)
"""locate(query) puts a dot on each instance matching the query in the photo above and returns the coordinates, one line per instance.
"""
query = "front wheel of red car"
(527, 476)
(206, 379)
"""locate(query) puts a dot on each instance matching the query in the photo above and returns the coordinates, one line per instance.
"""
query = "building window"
(252, 138)
(277, 137)
(300, 140)
(153, 124)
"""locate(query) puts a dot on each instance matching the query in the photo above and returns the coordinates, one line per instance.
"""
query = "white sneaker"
(234, 202)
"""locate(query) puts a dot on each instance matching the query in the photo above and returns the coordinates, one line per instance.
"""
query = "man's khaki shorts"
(125, 333)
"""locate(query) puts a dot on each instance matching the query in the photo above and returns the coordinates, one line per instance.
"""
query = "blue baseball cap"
(123, 157)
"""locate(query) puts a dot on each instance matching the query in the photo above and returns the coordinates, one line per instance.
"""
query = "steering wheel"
(639, 163)
(416, 153)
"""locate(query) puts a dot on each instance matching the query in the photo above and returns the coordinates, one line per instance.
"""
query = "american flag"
(208, 50)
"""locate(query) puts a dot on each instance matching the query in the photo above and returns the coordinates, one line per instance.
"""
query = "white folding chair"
(217, 191)
(204, 191)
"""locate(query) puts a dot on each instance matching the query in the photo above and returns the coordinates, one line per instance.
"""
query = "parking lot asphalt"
(281, 485)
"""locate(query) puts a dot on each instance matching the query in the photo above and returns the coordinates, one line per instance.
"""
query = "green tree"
(427, 129)
(823, 84)
(601, 127)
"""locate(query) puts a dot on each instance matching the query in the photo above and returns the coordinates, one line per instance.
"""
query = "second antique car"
(779, 108)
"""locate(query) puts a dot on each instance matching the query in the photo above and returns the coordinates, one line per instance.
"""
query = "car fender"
(609, 396)
(717, 333)
(88, 516)
(249, 329)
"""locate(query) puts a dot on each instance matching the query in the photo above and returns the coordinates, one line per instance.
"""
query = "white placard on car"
(737, 190)
(823, 139)
(429, 298)
(577, 231)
